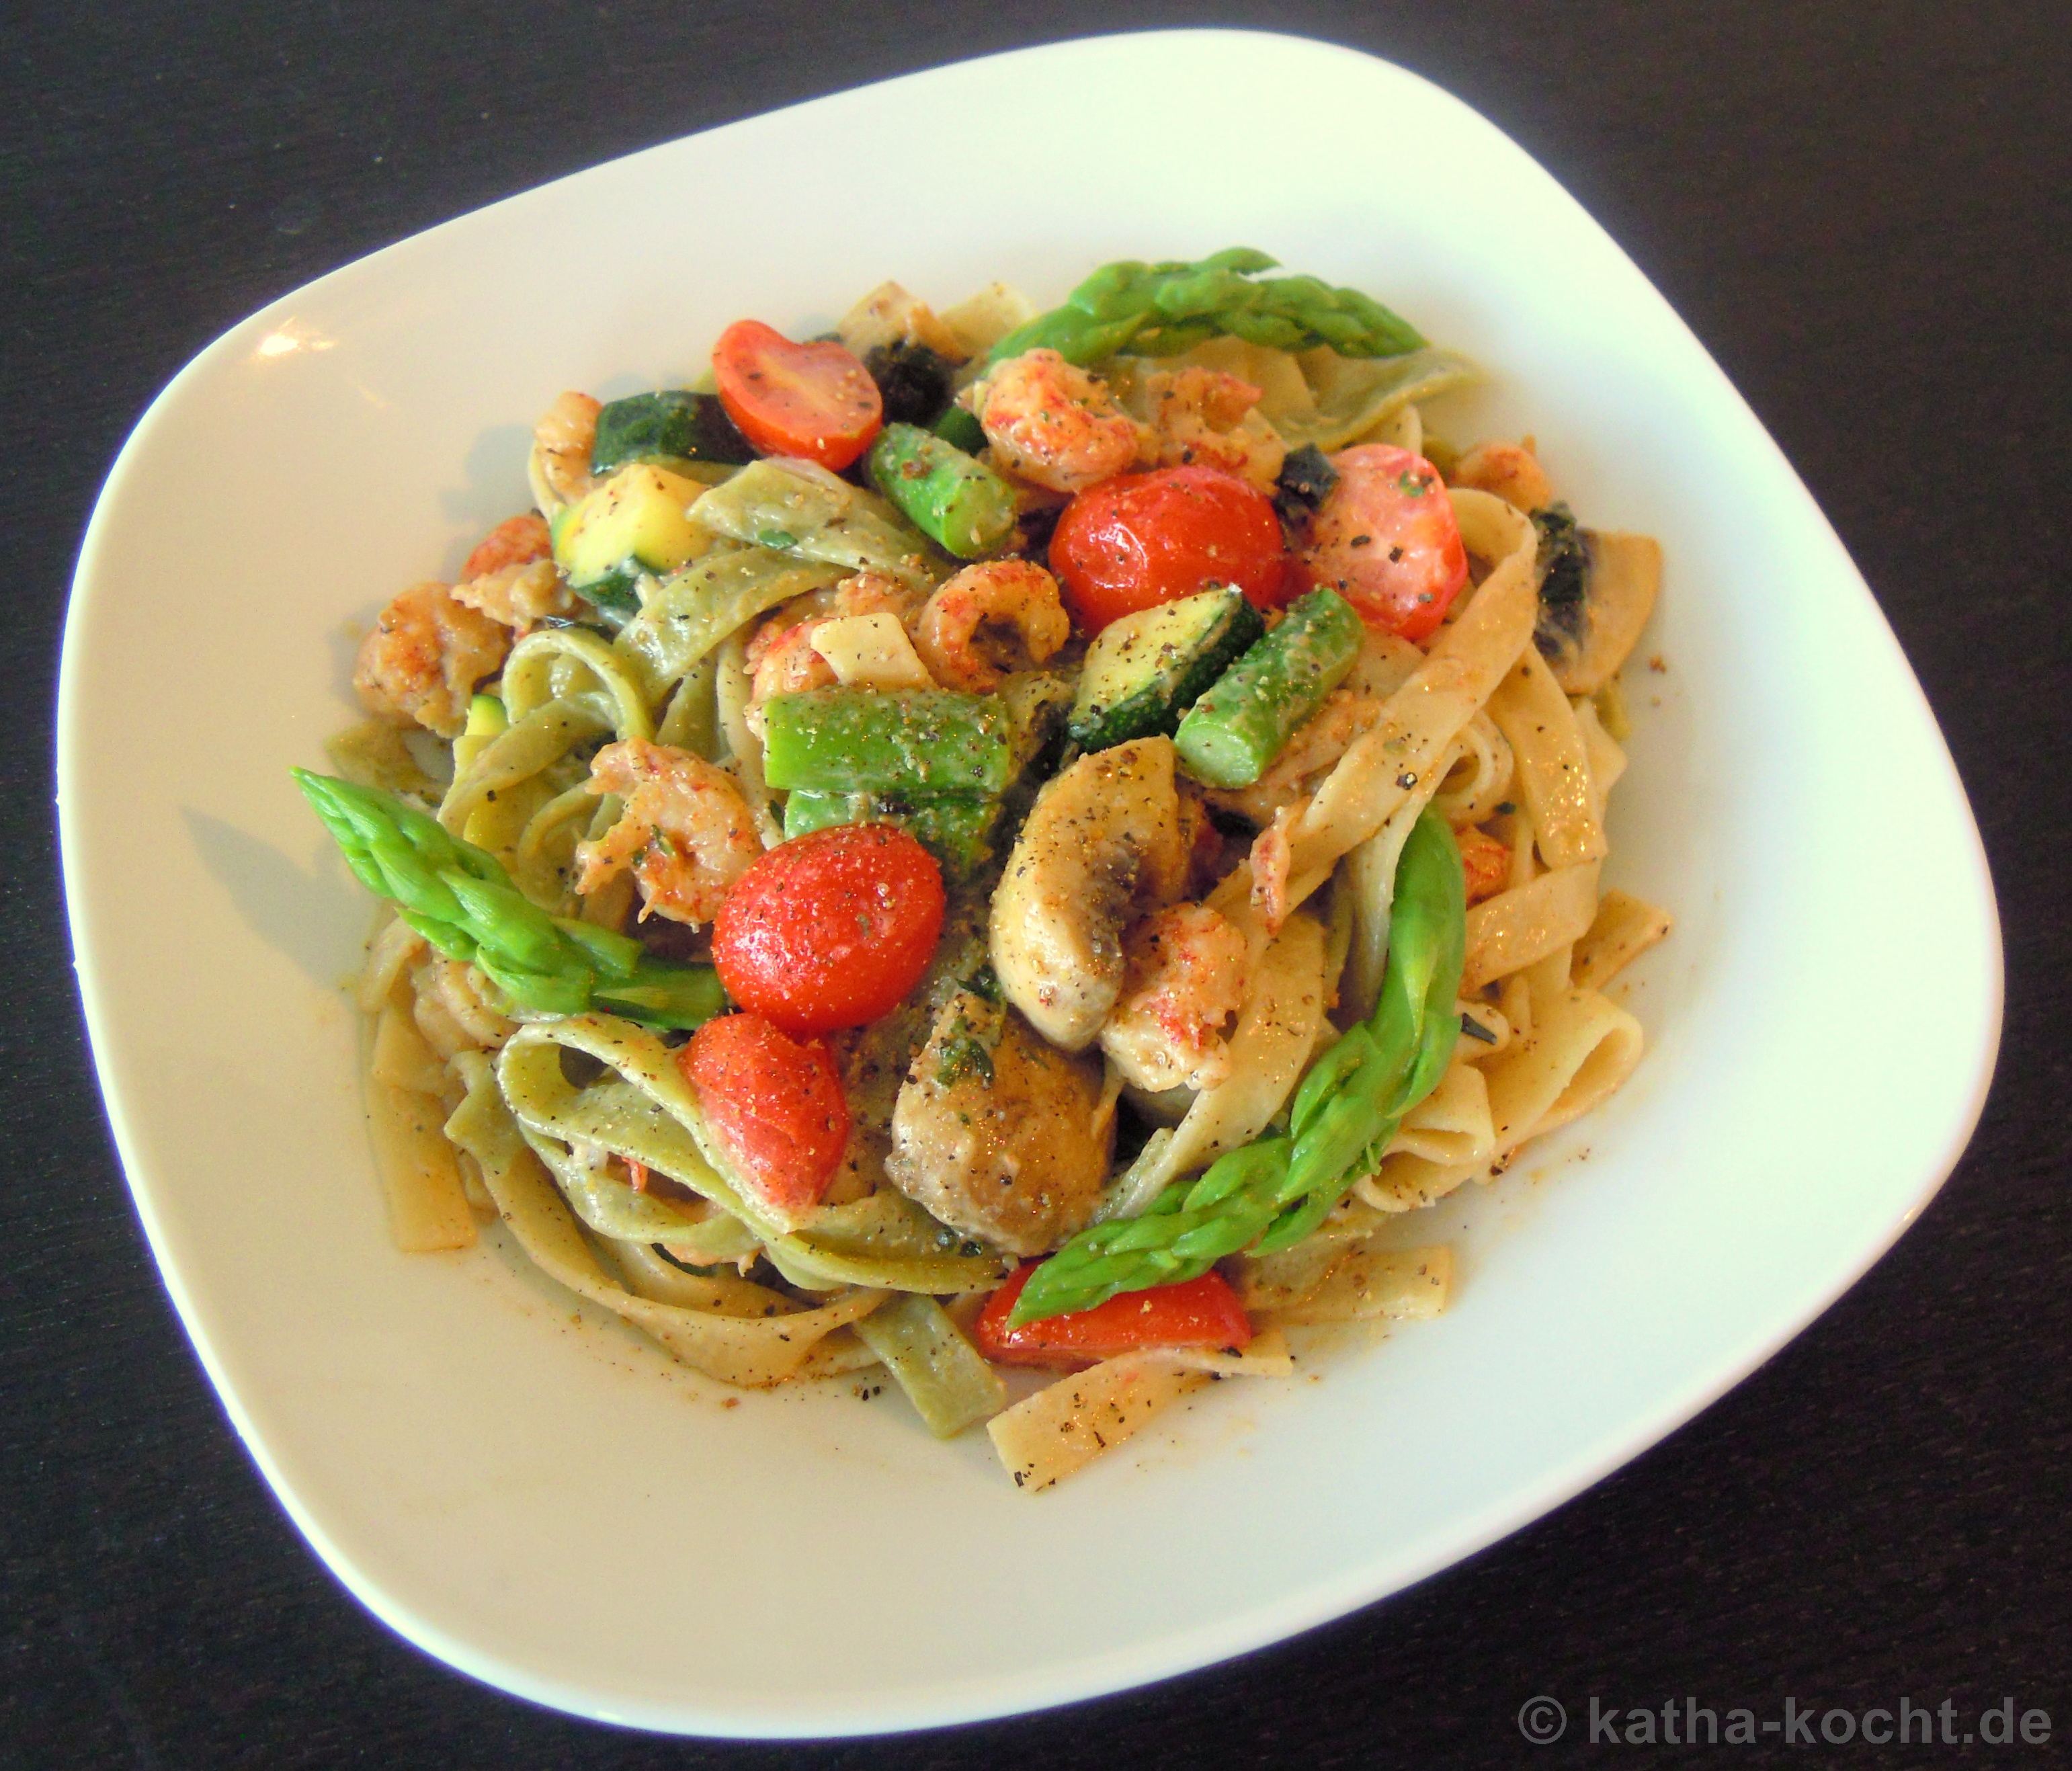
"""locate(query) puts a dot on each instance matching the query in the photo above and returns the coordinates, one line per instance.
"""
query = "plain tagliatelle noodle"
(717, 641)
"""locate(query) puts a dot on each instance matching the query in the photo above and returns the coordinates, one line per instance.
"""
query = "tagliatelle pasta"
(1001, 838)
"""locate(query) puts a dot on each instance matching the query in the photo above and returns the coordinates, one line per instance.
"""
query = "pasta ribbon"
(691, 611)
(718, 1327)
(1400, 1283)
(1046, 1436)
(640, 1109)
(1276, 1031)
(1511, 931)
(1582, 1046)
(1623, 929)
(1553, 765)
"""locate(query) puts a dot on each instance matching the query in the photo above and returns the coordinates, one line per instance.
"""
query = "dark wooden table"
(1862, 211)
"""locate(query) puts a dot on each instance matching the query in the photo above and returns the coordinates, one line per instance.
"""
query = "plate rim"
(1151, 1659)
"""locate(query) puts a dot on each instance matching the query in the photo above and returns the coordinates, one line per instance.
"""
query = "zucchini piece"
(674, 425)
(637, 519)
(956, 502)
(1145, 670)
(486, 720)
(904, 742)
(1238, 726)
(616, 596)
(956, 828)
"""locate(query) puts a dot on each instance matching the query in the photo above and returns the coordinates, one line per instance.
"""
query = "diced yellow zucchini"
(638, 514)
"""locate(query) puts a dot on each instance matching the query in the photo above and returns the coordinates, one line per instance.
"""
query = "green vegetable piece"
(1144, 671)
(486, 720)
(616, 596)
(461, 899)
(674, 425)
(956, 828)
(907, 742)
(637, 519)
(662, 995)
(961, 431)
(1161, 310)
(1234, 731)
(1271, 1193)
(957, 502)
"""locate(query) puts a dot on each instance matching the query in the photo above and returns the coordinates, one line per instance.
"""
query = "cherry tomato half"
(1203, 1312)
(830, 929)
(1386, 541)
(776, 1103)
(1143, 538)
(814, 401)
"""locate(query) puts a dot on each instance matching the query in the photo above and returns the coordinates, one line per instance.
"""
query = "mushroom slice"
(1597, 591)
(999, 1135)
(1102, 842)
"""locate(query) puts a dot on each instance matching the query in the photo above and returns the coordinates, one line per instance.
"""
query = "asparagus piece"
(904, 742)
(1161, 309)
(952, 499)
(461, 899)
(1272, 1193)
(1230, 735)
(956, 828)
(959, 428)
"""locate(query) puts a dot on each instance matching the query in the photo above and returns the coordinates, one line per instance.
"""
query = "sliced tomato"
(1143, 538)
(814, 401)
(774, 1103)
(1200, 1312)
(830, 929)
(517, 540)
(1386, 541)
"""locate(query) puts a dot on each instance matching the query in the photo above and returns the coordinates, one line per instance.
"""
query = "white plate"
(529, 1492)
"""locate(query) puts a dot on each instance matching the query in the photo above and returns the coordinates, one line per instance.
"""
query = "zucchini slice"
(1145, 670)
(674, 425)
(636, 521)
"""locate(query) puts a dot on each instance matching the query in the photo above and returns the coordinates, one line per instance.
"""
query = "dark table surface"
(1862, 211)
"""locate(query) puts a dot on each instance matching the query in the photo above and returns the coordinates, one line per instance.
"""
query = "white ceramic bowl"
(531, 1493)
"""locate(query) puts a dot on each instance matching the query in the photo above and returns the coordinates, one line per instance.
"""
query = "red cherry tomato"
(830, 929)
(1386, 541)
(1143, 538)
(1203, 1312)
(776, 1105)
(814, 401)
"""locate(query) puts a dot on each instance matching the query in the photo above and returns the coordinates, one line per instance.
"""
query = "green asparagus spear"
(1161, 309)
(954, 500)
(907, 742)
(956, 828)
(1271, 1193)
(1232, 733)
(958, 428)
(460, 899)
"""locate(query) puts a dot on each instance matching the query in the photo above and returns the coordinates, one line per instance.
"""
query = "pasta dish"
(990, 838)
